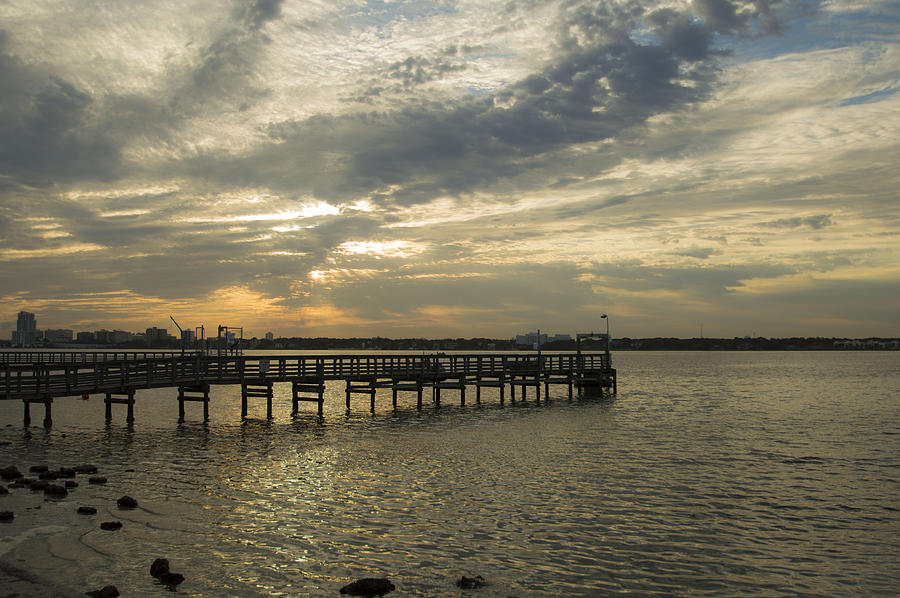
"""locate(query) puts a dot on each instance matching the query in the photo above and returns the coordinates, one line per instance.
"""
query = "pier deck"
(39, 377)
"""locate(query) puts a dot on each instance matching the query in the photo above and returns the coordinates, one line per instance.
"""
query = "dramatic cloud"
(451, 167)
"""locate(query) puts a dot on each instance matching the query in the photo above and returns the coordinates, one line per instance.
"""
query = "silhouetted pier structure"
(41, 376)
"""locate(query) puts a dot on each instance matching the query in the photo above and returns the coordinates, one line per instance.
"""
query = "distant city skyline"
(447, 169)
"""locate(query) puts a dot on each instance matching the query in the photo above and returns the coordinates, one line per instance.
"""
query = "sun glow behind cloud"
(380, 249)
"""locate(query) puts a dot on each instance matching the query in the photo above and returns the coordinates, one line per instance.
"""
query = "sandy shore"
(19, 583)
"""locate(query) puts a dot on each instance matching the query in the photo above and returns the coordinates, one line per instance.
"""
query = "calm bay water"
(710, 474)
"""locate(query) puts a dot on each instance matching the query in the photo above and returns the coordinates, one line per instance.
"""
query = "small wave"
(9, 543)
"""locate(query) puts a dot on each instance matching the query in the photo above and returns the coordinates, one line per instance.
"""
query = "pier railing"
(51, 357)
(58, 374)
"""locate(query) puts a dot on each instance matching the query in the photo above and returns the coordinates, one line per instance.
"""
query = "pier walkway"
(41, 376)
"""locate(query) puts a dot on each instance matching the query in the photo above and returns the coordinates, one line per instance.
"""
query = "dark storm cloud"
(709, 282)
(403, 75)
(48, 127)
(416, 70)
(701, 253)
(615, 67)
(226, 70)
(816, 222)
(262, 11)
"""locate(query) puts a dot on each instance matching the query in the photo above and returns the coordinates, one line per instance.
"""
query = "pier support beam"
(523, 381)
(567, 380)
(497, 381)
(401, 384)
(259, 389)
(48, 417)
(362, 386)
(199, 393)
(123, 398)
(455, 383)
(310, 390)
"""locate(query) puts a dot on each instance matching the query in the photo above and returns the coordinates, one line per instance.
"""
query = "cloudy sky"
(452, 167)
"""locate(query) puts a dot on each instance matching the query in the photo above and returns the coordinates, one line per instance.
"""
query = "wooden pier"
(41, 376)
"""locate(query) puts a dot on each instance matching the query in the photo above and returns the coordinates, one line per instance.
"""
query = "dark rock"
(10, 473)
(71, 484)
(85, 468)
(55, 491)
(369, 586)
(86, 511)
(38, 468)
(48, 475)
(171, 579)
(3, 490)
(39, 485)
(6, 516)
(20, 484)
(470, 583)
(111, 526)
(159, 567)
(97, 480)
(105, 592)
(25, 482)
(129, 470)
(126, 502)
(66, 472)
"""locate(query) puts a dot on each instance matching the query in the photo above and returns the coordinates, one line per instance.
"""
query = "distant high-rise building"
(270, 336)
(26, 333)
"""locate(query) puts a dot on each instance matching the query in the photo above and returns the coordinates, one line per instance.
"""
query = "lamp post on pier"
(605, 317)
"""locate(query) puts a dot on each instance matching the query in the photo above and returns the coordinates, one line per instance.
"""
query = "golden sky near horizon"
(452, 168)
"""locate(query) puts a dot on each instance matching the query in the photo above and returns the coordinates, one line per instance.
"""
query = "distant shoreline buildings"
(27, 335)
(536, 339)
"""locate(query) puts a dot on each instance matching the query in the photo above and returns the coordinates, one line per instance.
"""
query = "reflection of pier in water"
(39, 377)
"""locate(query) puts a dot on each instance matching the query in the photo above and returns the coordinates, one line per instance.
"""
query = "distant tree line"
(488, 344)
(754, 344)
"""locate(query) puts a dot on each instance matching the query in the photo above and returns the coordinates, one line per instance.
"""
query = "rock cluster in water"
(369, 586)
(10, 473)
(55, 491)
(470, 583)
(160, 570)
(105, 592)
(126, 502)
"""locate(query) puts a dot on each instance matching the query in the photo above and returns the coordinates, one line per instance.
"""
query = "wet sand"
(20, 583)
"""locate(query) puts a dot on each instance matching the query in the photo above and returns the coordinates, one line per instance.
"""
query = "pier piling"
(310, 390)
(123, 398)
(198, 393)
(48, 417)
(256, 389)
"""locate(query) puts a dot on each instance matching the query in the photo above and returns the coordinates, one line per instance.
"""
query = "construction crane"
(181, 332)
